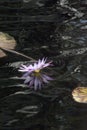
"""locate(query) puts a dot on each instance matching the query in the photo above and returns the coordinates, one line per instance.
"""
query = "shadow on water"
(52, 29)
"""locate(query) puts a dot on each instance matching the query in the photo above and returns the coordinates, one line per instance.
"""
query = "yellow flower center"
(37, 71)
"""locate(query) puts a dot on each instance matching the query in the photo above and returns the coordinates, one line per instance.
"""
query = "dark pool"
(55, 29)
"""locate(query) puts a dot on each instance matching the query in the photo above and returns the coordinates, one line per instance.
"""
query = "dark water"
(42, 28)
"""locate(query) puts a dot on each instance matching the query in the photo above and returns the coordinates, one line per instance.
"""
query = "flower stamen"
(37, 71)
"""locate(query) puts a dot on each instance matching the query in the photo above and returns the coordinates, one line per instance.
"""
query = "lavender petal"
(25, 75)
(31, 82)
(35, 83)
(47, 77)
(40, 84)
(28, 79)
(45, 80)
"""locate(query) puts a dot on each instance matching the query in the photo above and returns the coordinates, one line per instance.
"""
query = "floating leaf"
(80, 94)
(7, 42)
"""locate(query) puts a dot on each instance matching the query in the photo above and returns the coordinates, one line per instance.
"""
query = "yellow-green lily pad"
(80, 94)
(7, 42)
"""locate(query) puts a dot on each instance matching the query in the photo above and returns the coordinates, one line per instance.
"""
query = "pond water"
(44, 28)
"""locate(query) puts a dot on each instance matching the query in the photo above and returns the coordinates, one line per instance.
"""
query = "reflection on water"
(64, 42)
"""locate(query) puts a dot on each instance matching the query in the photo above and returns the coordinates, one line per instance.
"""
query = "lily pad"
(7, 42)
(80, 94)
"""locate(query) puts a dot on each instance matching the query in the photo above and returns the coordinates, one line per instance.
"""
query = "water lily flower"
(34, 75)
